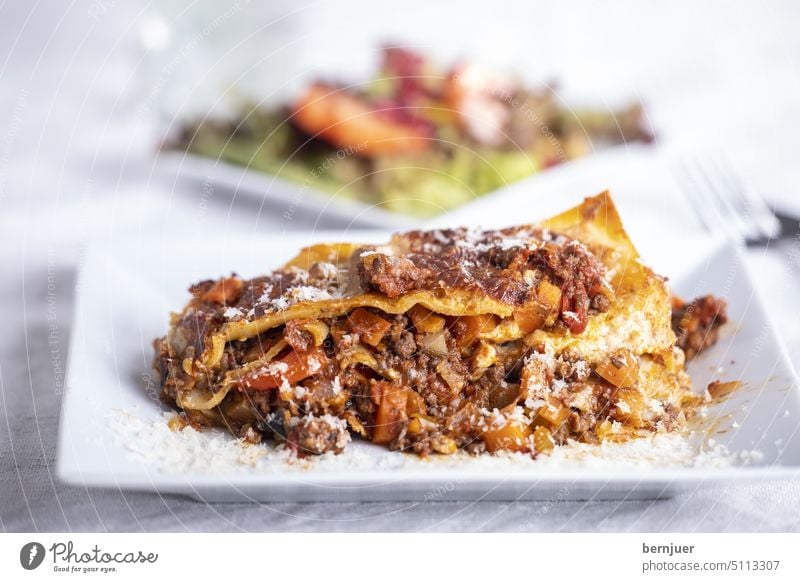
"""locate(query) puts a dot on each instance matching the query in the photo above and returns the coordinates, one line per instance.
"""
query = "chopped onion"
(454, 380)
(434, 343)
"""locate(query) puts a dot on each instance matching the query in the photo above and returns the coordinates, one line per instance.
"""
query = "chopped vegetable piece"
(718, 389)
(225, 291)
(549, 295)
(391, 413)
(543, 440)
(469, 327)
(629, 407)
(621, 369)
(425, 320)
(415, 404)
(371, 327)
(513, 436)
(529, 319)
(485, 355)
(292, 368)
(611, 431)
(414, 426)
(449, 375)
(554, 413)
(443, 445)
(347, 121)
(434, 343)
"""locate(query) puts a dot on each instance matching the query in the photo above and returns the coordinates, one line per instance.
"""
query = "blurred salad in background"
(415, 139)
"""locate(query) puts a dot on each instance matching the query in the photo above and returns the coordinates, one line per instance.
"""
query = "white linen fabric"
(76, 142)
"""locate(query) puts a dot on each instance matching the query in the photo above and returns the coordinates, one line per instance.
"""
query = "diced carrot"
(391, 413)
(224, 291)
(292, 368)
(621, 369)
(470, 326)
(528, 319)
(376, 392)
(371, 327)
(513, 436)
(415, 403)
(554, 413)
(549, 295)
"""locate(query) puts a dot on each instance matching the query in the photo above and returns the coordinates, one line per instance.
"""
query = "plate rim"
(259, 186)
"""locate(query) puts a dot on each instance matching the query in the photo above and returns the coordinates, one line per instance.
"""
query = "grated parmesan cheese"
(232, 313)
(187, 451)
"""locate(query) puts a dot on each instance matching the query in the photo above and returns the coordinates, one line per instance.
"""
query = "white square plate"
(113, 433)
(202, 172)
(285, 195)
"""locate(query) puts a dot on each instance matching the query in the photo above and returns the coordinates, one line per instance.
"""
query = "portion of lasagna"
(518, 339)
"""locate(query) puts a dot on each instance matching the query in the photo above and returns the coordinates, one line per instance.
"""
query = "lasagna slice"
(484, 340)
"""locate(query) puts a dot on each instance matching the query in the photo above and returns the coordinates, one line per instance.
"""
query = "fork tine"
(722, 201)
(733, 219)
(698, 197)
(751, 203)
(704, 195)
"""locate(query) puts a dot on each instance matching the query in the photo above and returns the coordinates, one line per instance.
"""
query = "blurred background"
(92, 90)
(155, 119)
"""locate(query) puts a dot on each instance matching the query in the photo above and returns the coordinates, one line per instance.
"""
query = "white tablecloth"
(75, 166)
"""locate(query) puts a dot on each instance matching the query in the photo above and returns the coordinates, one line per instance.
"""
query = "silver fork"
(723, 201)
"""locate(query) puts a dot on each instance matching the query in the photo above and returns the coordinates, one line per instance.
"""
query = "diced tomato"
(349, 122)
(369, 326)
(292, 368)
